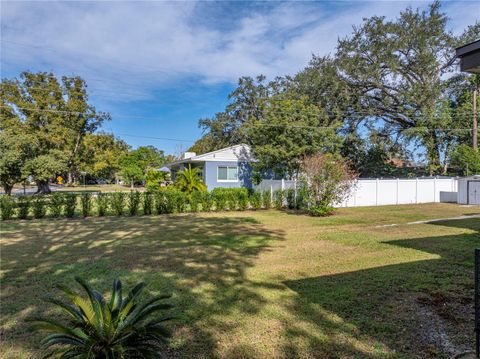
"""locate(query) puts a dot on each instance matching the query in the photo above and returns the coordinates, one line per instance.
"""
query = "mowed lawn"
(265, 284)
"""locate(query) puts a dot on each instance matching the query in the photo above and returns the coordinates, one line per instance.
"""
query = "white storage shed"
(469, 190)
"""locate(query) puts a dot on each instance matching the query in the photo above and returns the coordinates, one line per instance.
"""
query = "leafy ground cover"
(263, 284)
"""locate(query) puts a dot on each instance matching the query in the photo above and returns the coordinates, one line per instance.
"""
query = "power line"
(155, 138)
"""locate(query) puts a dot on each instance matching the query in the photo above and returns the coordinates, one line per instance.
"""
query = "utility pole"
(475, 121)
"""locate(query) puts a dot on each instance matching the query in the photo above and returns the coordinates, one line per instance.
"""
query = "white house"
(227, 167)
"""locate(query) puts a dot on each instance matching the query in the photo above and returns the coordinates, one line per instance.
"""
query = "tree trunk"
(447, 158)
(43, 187)
(131, 186)
(433, 154)
(8, 189)
(70, 178)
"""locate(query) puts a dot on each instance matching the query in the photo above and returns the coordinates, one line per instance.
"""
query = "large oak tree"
(55, 115)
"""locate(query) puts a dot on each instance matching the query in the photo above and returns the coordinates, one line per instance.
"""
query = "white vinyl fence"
(380, 192)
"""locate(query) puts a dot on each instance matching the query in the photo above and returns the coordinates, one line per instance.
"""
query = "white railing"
(380, 192)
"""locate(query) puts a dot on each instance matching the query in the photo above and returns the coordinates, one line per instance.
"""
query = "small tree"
(189, 180)
(153, 179)
(131, 170)
(329, 180)
(466, 159)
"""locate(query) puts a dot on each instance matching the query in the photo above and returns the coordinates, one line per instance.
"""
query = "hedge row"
(135, 203)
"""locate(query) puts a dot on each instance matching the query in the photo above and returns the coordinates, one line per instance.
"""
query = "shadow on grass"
(202, 260)
(417, 309)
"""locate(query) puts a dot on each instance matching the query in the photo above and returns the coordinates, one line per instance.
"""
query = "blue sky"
(158, 67)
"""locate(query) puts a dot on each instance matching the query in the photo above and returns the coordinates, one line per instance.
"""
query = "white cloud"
(133, 47)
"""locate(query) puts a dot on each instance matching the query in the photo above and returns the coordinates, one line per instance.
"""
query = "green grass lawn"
(264, 284)
(98, 188)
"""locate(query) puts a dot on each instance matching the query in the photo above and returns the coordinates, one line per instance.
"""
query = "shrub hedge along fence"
(164, 201)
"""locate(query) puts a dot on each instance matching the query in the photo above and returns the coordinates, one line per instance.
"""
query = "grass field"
(264, 284)
(18, 189)
(98, 188)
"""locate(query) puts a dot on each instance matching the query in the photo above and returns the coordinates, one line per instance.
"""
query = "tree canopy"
(55, 116)
(389, 77)
(136, 164)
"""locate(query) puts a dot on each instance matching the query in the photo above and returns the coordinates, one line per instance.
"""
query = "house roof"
(469, 55)
(240, 152)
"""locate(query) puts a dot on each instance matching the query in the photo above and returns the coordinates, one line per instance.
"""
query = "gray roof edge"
(468, 48)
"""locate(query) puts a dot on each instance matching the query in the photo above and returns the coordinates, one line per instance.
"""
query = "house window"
(227, 173)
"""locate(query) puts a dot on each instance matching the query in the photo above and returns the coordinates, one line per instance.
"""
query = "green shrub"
(153, 179)
(147, 203)
(207, 201)
(133, 203)
(39, 208)
(180, 200)
(321, 211)
(303, 196)
(160, 202)
(118, 203)
(279, 198)
(256, 200)
(23, 204)
(231, 198)
(7, 207)
(166, 200)
(86, 200)
(242, 197)
(329, 179)
(267, 199)
(102, 204)
(55, 205)
(291, 198)
(195, 200)
(70, 204)
(220, 199)
(120, 327)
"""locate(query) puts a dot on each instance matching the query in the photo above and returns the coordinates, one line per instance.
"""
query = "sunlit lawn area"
(18, 189)
(264, 284)
(95, 188)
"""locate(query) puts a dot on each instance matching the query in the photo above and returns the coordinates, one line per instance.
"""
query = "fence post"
(398, 183)
(416, 190)
(271, 191)
(283, 184)
(435, 189)
(377, 181)
(355, 193)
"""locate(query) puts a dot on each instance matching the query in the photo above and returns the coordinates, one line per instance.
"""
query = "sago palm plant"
(189, 180)
(119, 328)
